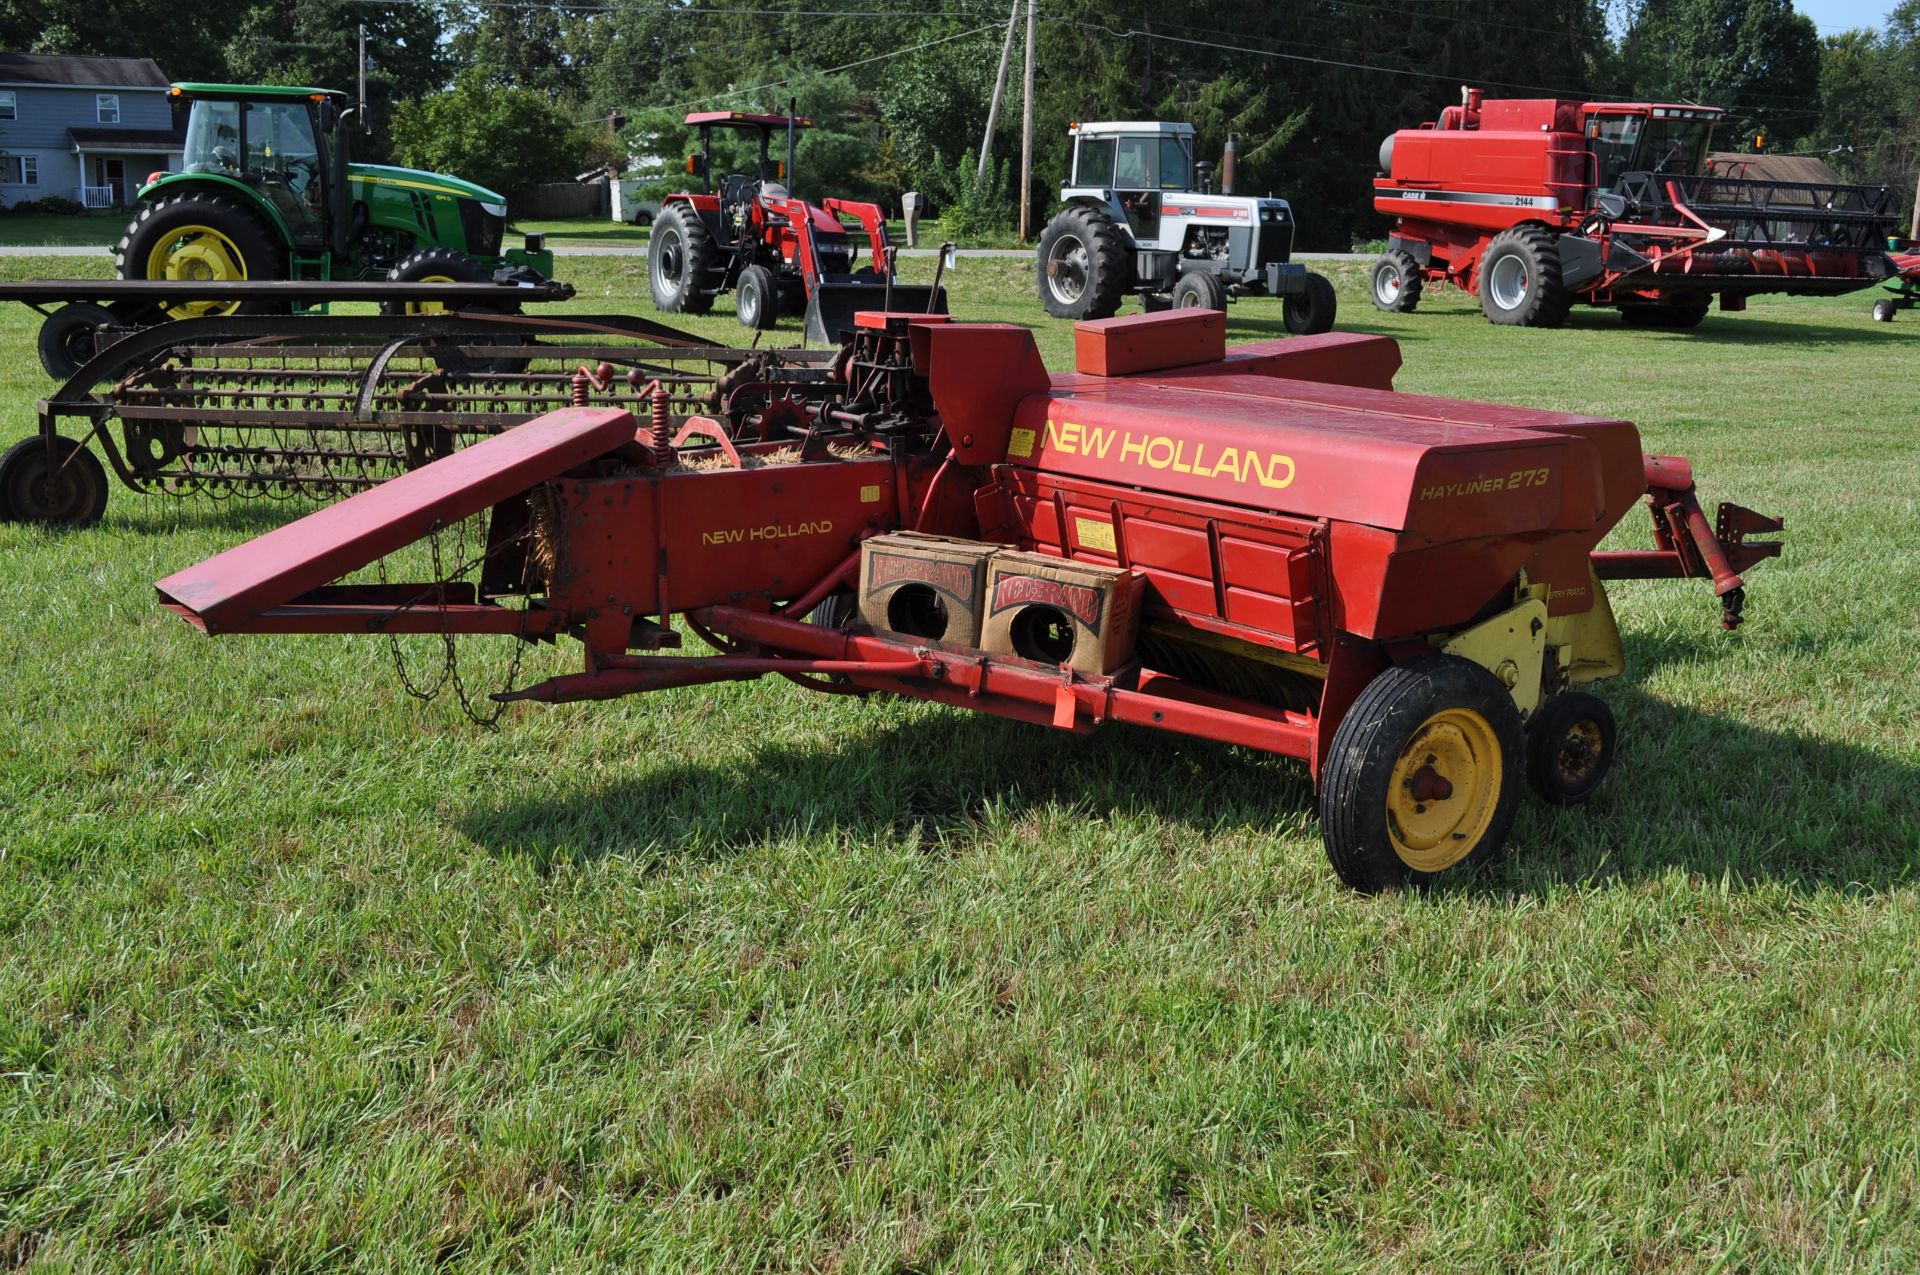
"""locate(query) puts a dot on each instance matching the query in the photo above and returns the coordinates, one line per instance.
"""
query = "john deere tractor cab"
(1141, 218)
(267, 191)
(778, 253)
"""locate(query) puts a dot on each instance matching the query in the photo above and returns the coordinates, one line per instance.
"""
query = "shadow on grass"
(1703, 793)
(634, 236)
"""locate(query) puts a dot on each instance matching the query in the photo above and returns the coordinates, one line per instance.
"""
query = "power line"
(831, 70)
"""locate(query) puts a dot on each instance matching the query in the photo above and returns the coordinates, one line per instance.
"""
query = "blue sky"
(1838, 15)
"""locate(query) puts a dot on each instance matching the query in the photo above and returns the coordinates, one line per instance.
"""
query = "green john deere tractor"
(267, 192)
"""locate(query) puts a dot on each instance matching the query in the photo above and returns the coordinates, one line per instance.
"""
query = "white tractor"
(1137, 222)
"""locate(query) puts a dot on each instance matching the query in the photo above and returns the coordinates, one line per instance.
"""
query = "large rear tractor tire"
(1397, 282)
(68, 489)
(202, 237)
(1520, 280)
(1083, 265)
(680, 259)
(1423, 774)
(1313, 310)
(1199, 290)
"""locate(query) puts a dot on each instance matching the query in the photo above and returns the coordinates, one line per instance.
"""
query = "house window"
(19, 170)
(7, 109)
(106, 107)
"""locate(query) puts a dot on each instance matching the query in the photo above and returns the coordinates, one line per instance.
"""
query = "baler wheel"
(680, 256)
(1883, 310)
(1083, 265)
(1397, 282)
(71, 491)
(1312, 311)
(1569, 747)
(1423, 774)
(1199, 290)
(67, 337)
(1520, 280)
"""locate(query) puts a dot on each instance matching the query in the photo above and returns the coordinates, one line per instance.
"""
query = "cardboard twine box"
(1080, 614)
(924, 586)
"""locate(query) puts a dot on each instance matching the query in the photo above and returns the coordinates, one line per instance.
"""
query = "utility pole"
(361, 61)
(1026, 130)
(1913, 231)
(999, 87)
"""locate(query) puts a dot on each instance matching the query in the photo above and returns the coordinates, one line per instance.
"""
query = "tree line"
(513, 92)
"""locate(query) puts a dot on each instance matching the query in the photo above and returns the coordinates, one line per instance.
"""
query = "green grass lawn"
(578, 231)
(300, 973)
(93, 228)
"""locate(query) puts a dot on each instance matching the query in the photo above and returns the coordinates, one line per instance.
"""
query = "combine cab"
(1536, 204)
(776, 253)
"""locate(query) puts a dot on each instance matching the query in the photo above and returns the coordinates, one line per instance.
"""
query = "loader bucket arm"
(274, 582)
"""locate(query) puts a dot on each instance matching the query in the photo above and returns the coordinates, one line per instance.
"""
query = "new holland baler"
(1265, 546)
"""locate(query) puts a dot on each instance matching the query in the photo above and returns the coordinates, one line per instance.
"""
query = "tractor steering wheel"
(738, 190)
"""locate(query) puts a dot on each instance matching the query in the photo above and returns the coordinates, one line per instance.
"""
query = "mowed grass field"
(298, 973)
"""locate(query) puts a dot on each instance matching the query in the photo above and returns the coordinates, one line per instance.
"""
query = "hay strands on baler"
(1402, 592)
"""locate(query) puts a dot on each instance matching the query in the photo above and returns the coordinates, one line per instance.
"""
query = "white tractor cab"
(1137, 221)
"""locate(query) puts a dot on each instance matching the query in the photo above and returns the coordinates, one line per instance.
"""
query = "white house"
(89, 129)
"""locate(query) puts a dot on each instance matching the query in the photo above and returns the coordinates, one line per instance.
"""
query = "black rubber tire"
(75, 496)
(1089, 242)
(680, 259)
(67, 340)
(1313, 310)
(1198, 290)
(1543, 300)
(450, 263)
(1396, 282)
(263, 257)
(1384, 722)
(1570, 744)
(436, 263)
(1884, 309)
(756, 298)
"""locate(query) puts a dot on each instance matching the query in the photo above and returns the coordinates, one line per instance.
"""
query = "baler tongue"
(831, 307)
(231, 588)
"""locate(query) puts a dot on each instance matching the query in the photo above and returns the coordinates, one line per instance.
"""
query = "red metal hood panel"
(1305, 448)
(278, 567)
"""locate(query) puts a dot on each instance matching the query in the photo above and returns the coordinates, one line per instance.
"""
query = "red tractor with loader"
(1264, 546)
(1537, 204)
(777, 253)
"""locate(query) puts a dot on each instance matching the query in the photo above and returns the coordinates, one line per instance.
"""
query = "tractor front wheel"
(67, 488)
(1313, 310)
(1397, 282)
(434, 265)
(1083, 265)
(1569, 747)
(201, 237)
(1884, 309)
(1520, 280)
(1423, 774)
(680, 257)
(1199, 290)
(756, 298)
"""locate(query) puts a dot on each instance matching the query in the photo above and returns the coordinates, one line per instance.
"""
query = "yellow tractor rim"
(1446, 786)
(430, 307)
(198, 254)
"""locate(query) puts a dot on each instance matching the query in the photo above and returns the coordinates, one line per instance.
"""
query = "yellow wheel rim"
(1445, 788)
(197, 254)
(430, 307)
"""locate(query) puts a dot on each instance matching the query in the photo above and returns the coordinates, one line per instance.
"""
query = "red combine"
(1535, 204)
(777, 253)
(1265, 546)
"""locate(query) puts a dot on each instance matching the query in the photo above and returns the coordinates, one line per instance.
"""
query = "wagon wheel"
(1423, 774)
